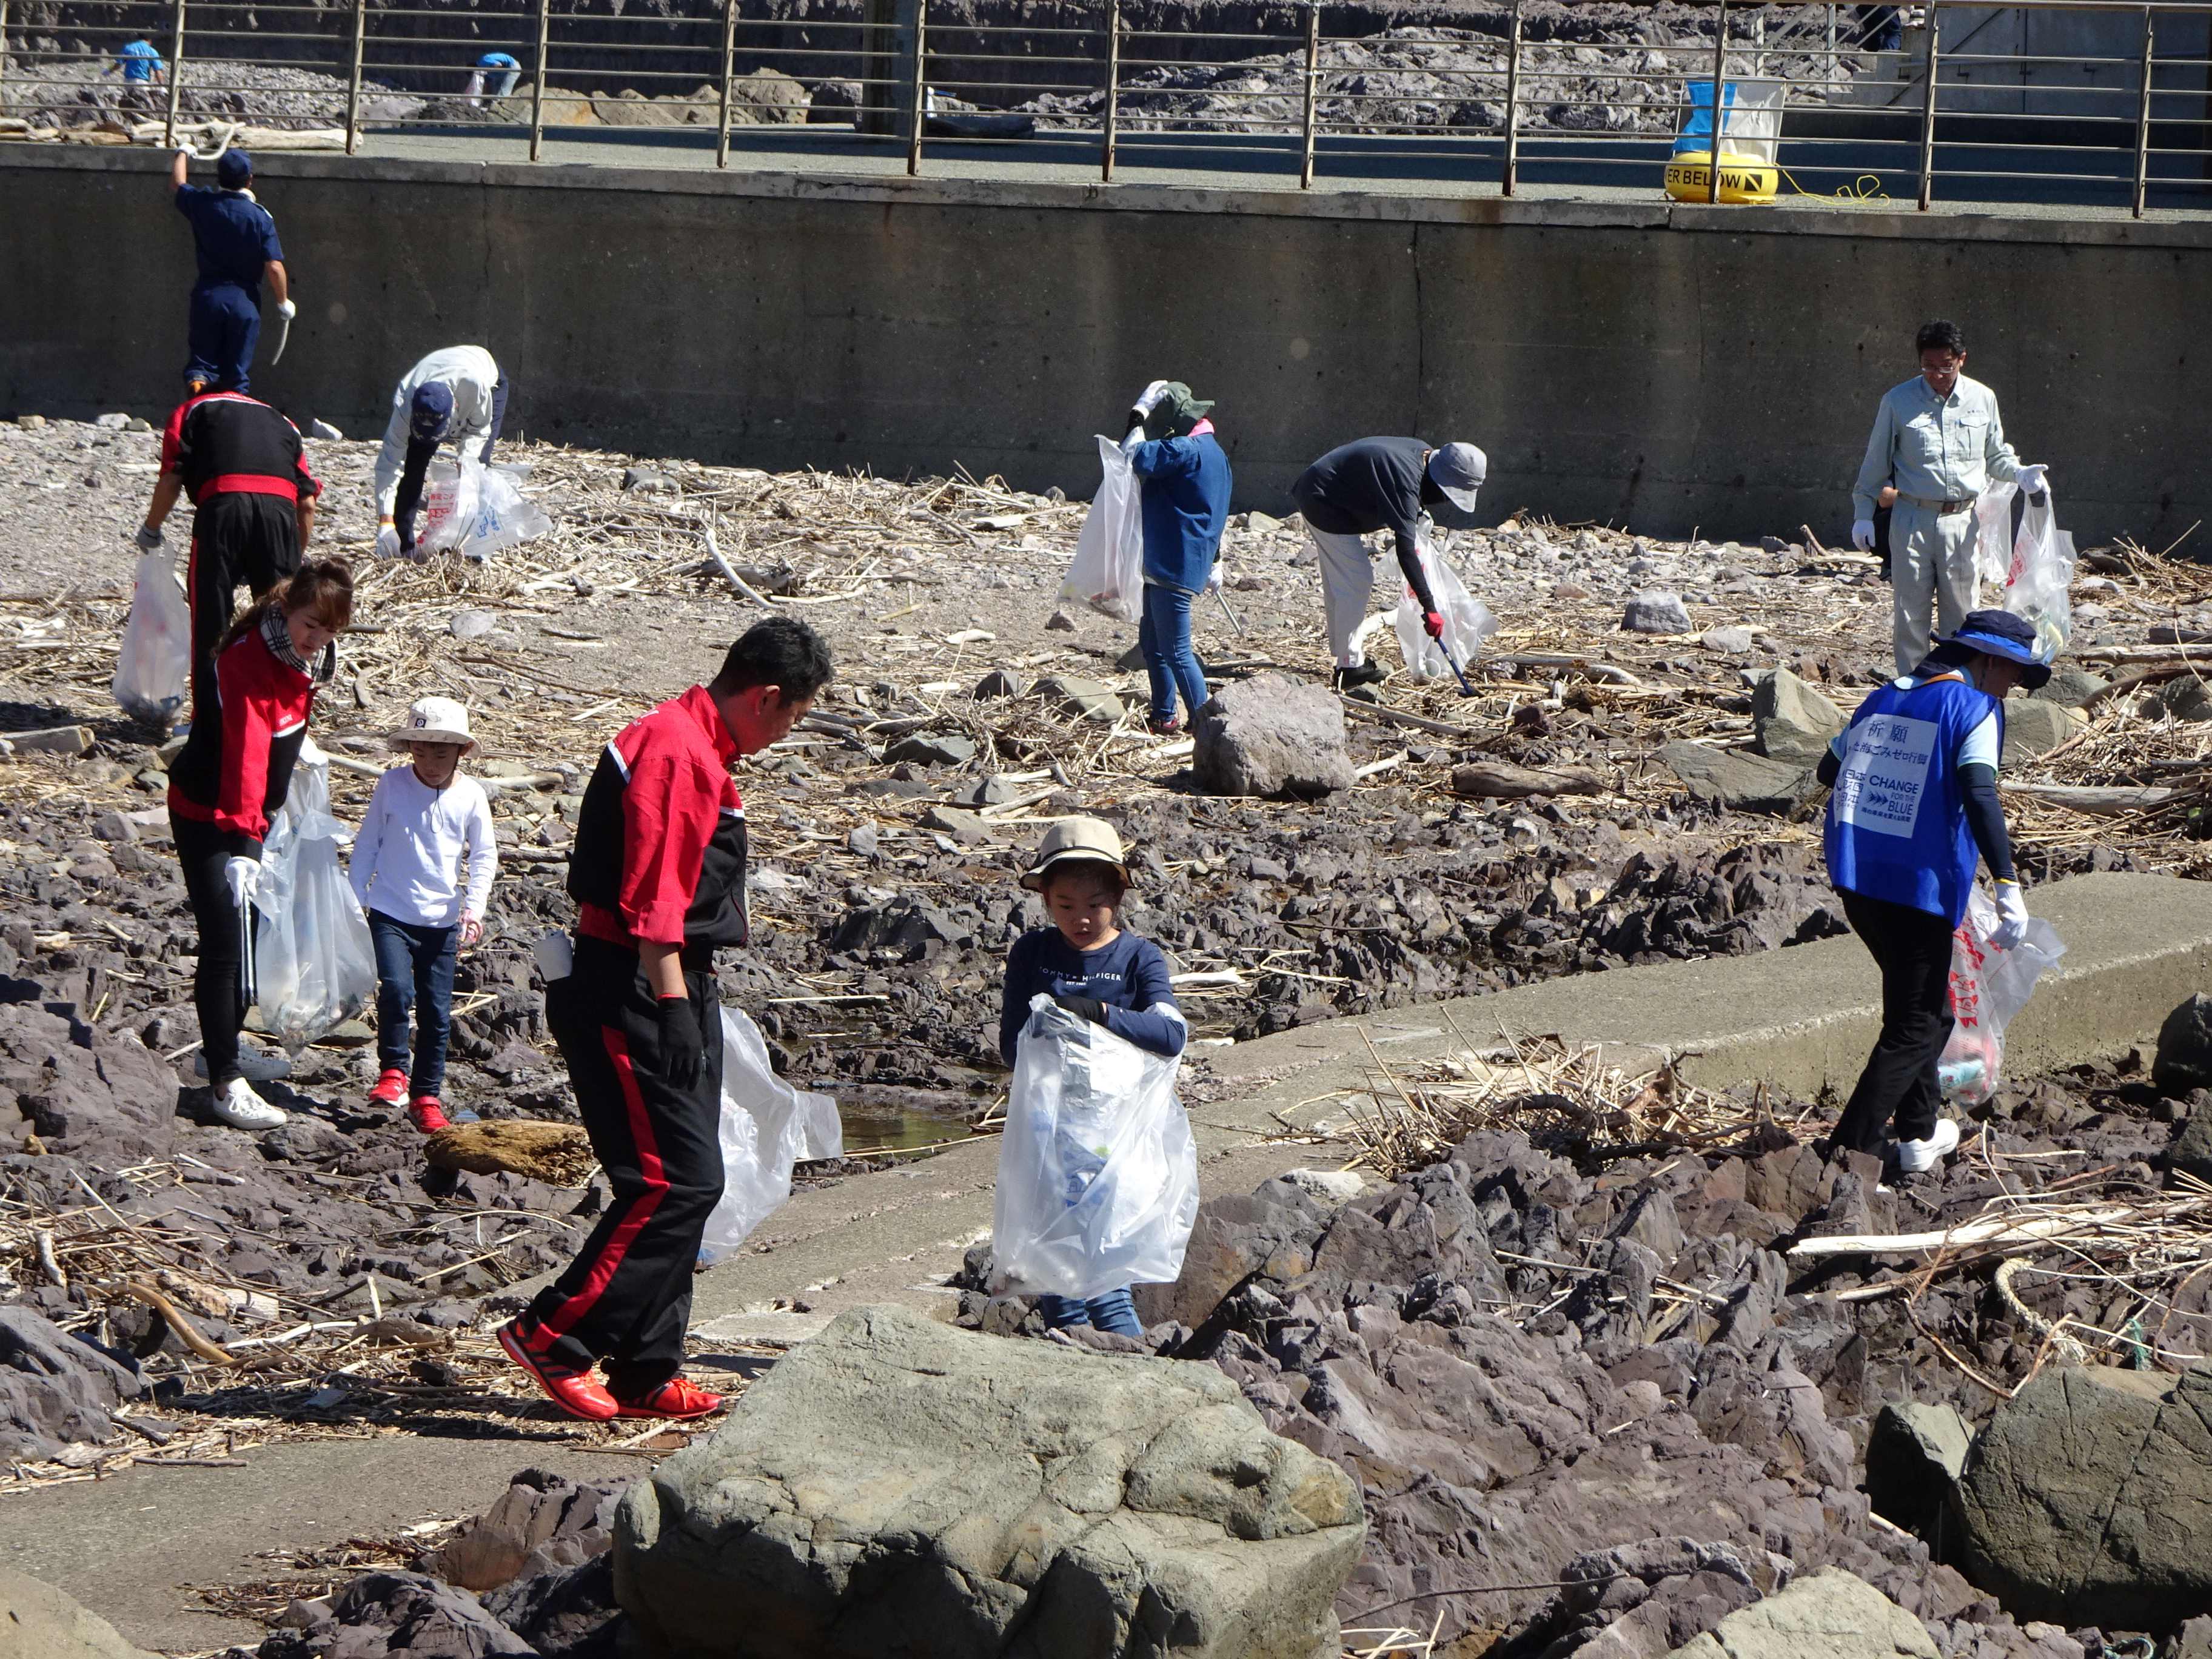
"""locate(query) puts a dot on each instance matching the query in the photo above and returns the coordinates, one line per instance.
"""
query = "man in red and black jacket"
(245, 469)
(659, 875)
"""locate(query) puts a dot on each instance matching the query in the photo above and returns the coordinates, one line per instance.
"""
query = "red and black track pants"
(626, 1299)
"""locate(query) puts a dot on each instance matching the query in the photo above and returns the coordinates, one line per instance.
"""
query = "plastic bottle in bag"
(315, 967)
(1098, 1172)
(2030, 573)
(767, 1126)
(1989, 987)
(1467, 621)
(1107, 572)
(153, 670)
(452, 493)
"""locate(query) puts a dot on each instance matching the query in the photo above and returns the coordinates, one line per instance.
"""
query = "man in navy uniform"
(235, 241)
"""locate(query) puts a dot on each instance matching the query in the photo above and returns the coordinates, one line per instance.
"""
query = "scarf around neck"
(279, 639)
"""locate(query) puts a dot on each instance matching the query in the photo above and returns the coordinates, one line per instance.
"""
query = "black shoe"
(1366, 673)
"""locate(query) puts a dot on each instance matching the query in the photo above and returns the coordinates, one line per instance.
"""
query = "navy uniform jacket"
(234, 236)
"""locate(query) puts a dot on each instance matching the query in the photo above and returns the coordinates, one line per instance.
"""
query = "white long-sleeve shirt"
(471, 373)
(409, 852)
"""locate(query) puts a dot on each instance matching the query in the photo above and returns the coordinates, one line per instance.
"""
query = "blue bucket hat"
(2001, 633)
(233, 169)
(433, 410)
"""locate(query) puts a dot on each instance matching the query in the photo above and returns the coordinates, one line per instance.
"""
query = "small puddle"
(889, 1117)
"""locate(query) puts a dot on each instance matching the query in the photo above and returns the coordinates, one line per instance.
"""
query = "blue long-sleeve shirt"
(1130, 977)
(1183, 486)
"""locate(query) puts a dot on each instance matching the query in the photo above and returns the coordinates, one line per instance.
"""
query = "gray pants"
(1347, 578)
(1931, 568)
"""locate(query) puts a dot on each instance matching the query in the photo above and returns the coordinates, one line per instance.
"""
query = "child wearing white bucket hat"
(425, 823)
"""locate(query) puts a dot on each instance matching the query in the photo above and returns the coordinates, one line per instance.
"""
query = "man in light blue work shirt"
(1938, 438)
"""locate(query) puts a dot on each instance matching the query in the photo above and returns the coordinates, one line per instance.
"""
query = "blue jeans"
(1113, 1311)
(1164, 638)
(414, 981)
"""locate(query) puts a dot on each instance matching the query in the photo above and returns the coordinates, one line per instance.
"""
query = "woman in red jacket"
(228, 781)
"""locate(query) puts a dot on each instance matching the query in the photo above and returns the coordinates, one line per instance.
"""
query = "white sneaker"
(241, 1108)
(1917, 1156)
(253, 1065)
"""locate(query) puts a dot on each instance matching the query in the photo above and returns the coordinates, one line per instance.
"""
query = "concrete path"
(2137, 946)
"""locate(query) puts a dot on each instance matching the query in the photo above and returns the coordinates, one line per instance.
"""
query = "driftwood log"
(1492, 780)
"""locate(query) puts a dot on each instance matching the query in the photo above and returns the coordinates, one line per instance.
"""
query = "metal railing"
(2055, 100)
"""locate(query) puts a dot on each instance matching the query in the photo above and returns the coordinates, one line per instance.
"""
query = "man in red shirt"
(659, 875)
(245, 469)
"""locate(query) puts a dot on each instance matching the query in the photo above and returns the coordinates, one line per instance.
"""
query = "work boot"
(391, 1087)
(1918, 1156)
(677, 1397)
(1362, 673)
(427, 1114)
(577, 1393)
(253, 1065)
(237, 1105)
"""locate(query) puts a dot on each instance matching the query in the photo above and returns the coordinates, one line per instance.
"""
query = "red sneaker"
(391, 1087)
(577, 1393)
(427, 1114)
(677, 1397)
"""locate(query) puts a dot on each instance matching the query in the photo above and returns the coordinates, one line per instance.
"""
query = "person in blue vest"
(1914, 810)
(235, 241)
(1184, 485)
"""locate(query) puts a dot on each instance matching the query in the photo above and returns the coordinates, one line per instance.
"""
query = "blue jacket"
(1897, 826)
(1184, 497)
(233, 234)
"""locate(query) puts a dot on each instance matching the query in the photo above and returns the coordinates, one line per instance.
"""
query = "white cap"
(436, 720)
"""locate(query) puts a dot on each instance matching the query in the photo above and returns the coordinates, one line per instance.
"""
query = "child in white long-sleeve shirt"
(425, 821)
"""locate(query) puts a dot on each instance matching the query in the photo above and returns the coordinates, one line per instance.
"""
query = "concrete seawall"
(1663, 366)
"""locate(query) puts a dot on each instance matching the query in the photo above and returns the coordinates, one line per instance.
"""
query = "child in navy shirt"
(1084, 963)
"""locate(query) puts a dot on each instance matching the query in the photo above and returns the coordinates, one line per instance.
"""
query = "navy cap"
(433, 410)
(2001, 633)
(233, 169)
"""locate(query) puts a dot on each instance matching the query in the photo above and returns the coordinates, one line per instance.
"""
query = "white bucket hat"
(436, 720)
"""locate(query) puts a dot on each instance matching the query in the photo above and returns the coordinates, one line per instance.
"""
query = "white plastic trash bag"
(1989, 987)
(1109, 571)
(767, 1126)
(504, 516)
(1467, 621)
(2030, 573)
(451, 491)
(153, 671)
(313, 966)
(1097, 1173)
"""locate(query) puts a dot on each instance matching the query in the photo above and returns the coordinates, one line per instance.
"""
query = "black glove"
(683, 1050)
(1131, 419)
(1088, 1008)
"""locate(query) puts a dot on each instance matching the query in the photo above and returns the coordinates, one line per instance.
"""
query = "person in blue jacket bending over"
(1183, 497)
(1915, 809)
(235, 241)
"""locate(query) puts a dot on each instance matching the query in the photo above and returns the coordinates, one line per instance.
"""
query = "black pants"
(237, 537)
(626, 1299)
(202, 849)
(1913, 950)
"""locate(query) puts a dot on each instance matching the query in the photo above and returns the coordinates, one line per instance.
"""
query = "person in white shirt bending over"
(426, 821)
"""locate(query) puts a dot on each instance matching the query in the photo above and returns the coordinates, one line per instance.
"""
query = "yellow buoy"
(1743, 178)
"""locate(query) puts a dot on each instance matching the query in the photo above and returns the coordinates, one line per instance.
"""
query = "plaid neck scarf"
(279, 639)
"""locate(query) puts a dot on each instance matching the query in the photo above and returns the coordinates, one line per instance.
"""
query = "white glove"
(147, 538)
(286, 310)
(243, 876)
(1213, 578)
(1863, 535)
(2031, 479)
(187, 152)
(1149, 398)
(388, 540)
(2012, 917)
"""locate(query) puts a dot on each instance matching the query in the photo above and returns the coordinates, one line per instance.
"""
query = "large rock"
(2191, 1152)
(2034, 728)
(1091, 700)
(767, 97)
(1656, 611)
(37, 1622)
(2071, 687)
(1739, 781)
(2088, 1496)
(407, 1612)
(1269, 1232)
(55, 1388)
(1913, 1459)
(1832, 1615)
(1792, 721)
(900, 1486)
(91, 1092)
(1270, 735)
(2184, 1060)
(632, 108)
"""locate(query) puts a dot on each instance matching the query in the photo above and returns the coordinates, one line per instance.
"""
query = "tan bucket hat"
(436, 720)
(1073, 841)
